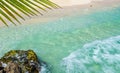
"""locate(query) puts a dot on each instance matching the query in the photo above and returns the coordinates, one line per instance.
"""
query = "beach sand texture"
(71, 2)
(68, 8)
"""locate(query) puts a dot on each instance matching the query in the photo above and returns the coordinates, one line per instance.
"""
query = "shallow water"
(96, 57)
(55, 41)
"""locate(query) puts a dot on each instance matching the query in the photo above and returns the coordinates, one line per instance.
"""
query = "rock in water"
(19, 61)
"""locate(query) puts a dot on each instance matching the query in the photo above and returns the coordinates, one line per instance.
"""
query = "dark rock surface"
(19, 61)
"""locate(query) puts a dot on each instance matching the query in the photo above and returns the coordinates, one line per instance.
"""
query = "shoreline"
(56, 14)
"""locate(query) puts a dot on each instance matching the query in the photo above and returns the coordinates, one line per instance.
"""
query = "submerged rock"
(19, 61)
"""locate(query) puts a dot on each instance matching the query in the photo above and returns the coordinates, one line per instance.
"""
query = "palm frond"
(10, 9)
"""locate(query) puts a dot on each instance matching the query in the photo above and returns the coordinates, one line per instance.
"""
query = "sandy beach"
(70, 7)
(83, 36)
(71, 2)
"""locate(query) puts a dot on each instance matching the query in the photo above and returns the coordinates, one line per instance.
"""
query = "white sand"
(71, 7)
(68, 9)
(71, 2)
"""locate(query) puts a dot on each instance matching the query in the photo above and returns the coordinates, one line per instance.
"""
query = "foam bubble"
(96, 57)
(44, 69)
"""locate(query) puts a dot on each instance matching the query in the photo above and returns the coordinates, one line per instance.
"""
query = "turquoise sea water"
(88, 43)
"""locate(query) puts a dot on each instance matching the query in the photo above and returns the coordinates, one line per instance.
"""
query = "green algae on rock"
(19, 61)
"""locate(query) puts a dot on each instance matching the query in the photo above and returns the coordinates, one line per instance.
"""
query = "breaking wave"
(96, 57)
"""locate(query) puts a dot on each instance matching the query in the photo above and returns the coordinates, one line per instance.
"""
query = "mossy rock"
(26, 61)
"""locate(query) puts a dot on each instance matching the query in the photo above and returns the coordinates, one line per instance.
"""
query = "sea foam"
(96, 57)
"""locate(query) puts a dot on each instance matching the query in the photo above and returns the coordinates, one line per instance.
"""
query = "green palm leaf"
(10, 9)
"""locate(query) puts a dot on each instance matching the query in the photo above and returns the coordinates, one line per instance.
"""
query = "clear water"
(96, 57)
(55, 41)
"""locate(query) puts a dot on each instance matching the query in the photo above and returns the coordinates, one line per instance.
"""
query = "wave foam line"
(96, 57)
